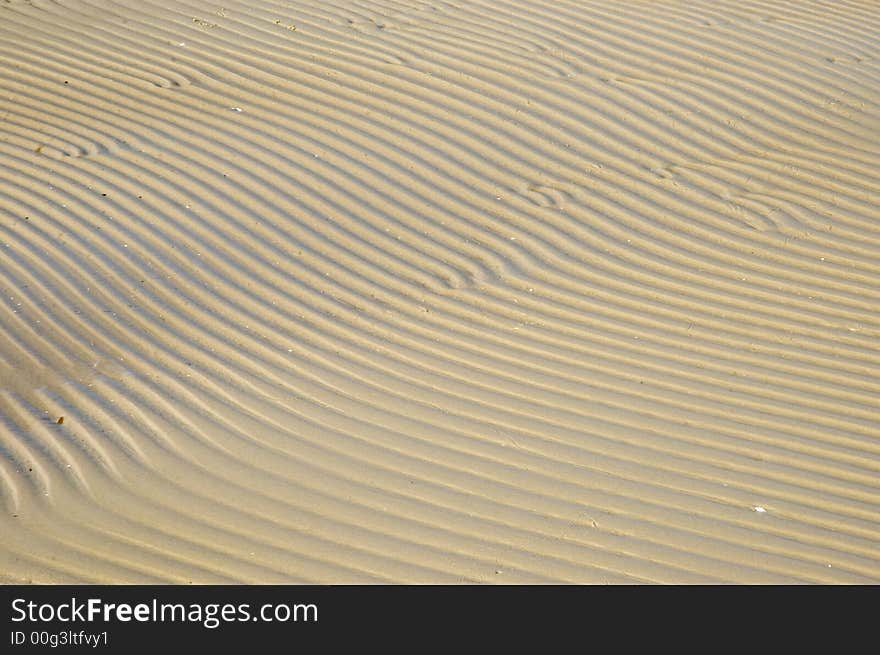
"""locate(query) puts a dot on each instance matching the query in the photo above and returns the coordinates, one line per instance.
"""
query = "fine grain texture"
(498, 291)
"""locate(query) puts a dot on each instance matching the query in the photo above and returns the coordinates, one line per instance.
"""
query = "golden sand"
(503, 291)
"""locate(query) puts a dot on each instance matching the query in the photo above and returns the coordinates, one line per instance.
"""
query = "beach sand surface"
(497, 291)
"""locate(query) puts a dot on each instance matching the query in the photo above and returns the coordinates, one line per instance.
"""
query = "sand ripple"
(380, 291)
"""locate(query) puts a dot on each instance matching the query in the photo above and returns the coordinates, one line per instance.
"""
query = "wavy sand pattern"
(504, 291)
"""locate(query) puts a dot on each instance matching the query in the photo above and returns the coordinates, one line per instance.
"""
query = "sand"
(497, 291)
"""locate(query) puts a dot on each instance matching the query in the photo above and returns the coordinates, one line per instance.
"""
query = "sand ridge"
(497, 291)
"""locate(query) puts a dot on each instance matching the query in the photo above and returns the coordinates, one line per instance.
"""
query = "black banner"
(132, 618)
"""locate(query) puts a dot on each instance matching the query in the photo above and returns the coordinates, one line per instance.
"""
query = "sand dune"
(502, 291)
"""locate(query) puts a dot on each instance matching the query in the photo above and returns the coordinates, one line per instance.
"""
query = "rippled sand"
(491, 291)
